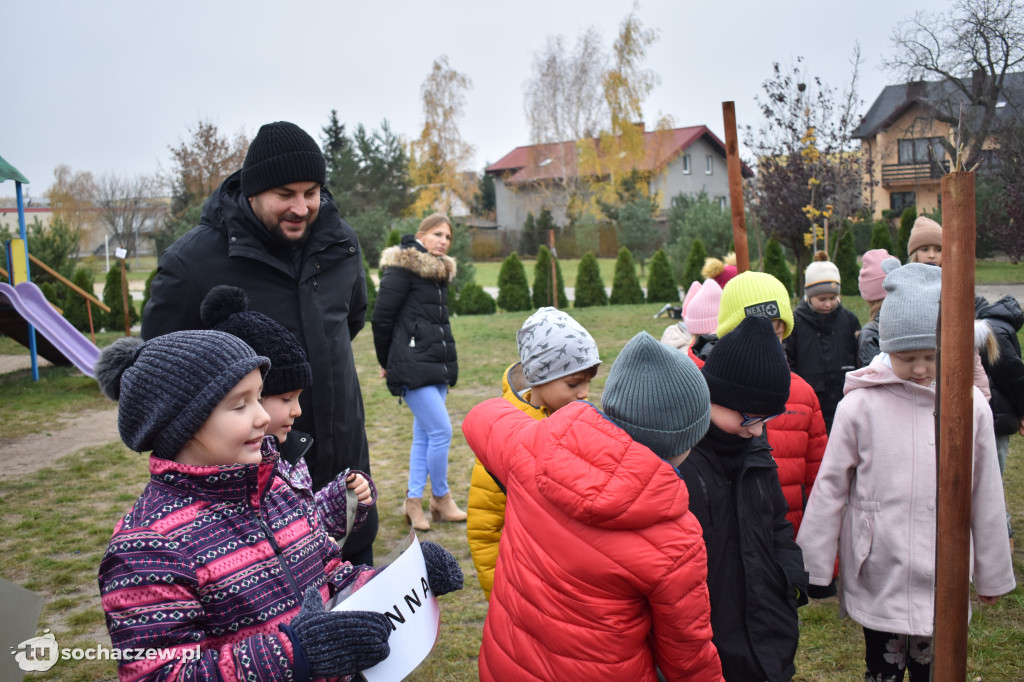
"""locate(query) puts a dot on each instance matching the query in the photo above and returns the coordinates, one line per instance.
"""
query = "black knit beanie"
(747, 369)
(167, 387)
(281, 153)
(226, 309)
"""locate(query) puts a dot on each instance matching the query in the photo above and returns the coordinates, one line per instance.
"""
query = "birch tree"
(440, 156)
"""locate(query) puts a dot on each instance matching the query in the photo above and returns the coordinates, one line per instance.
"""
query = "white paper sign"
(121, 253)
(401, 592)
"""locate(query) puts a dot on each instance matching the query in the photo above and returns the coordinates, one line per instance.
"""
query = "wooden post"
(92, 331)
(554, 278)
(125, 297)
(954, 430)
(732, 158)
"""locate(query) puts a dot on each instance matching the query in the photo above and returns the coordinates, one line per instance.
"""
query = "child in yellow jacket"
(558, 358)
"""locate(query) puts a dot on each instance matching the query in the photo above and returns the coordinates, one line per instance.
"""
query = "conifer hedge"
(513, 289)
(542, 280)
(114, 320)
(625, 284)
(775, 264)
(589, 285)
(661, 287)
(694, 263)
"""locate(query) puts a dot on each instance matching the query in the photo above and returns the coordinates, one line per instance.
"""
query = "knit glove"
(822, 591)
(338, 643)
(443, 571)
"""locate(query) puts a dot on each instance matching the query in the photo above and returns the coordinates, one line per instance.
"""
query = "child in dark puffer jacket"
(220, 566)
(823, 345)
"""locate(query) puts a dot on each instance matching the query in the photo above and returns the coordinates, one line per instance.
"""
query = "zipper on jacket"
(269, 534)
(280, 559)
(444, 343)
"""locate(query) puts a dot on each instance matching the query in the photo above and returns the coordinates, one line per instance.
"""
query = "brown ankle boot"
(444, 509)
(414, 513)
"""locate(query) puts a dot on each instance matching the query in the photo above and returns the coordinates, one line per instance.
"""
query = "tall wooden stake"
(739, 218)
(954, 430)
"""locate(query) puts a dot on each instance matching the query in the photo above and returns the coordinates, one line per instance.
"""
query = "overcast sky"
(106, 86)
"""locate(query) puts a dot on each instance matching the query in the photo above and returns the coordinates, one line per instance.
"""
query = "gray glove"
(338, 643)
(443, 571)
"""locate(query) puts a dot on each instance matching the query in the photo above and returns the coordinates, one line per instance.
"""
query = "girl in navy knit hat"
(344, 503)
(220, 566)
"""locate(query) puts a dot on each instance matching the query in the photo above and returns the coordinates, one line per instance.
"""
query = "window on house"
(901, 200)
(686, 164)
(710, 164)
(921, 150)
(722, 204)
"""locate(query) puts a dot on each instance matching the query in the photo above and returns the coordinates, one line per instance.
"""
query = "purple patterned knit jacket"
(206, 566)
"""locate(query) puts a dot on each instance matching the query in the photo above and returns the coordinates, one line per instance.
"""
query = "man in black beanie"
(273, 230)
(756, 577)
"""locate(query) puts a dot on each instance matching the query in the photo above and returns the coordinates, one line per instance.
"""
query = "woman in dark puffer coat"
(416, 352)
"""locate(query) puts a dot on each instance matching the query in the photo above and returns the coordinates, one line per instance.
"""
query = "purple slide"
(30, 303)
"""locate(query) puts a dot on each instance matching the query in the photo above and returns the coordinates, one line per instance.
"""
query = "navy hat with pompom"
(226, 309)
(167, 387)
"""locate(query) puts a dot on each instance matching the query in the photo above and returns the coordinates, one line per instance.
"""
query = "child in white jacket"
(880, 467)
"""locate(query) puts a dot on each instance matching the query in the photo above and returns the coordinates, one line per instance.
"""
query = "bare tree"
(202, 162)
(129, 206)
(970, 48)
(72, 196)
(564, 98)
(808, 169)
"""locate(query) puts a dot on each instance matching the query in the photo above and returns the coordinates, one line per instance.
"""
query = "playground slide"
(30, 303)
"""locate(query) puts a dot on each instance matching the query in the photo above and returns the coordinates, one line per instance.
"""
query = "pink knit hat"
(691, 292)
(701, 316)
(872, 276)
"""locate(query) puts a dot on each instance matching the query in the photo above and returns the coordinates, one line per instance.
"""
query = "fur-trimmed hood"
(410, 255)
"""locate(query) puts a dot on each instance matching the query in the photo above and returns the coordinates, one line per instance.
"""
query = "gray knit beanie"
(657, 396)
(167, 387)
(910, 311)
(552, 345)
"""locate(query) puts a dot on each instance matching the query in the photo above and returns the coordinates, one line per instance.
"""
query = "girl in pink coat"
(875, 494)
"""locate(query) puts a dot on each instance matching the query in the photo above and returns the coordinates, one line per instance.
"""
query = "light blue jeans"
(431, 437)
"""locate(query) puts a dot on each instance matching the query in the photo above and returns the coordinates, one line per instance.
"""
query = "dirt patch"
(35, 451)
(12, 363)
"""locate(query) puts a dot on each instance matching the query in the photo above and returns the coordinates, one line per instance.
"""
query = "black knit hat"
(281, 153)
(226, 309)
(747, 369)
(167, 387)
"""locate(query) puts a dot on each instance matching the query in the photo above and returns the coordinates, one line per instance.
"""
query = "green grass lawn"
(998, 272)
(57, 521)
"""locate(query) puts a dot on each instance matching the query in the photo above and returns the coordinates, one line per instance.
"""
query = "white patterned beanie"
(553, 345)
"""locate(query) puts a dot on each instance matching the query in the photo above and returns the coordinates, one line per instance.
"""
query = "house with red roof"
(531, 178)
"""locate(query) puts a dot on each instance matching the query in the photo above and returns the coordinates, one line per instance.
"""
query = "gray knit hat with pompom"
(167, 387)
(657, 395)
